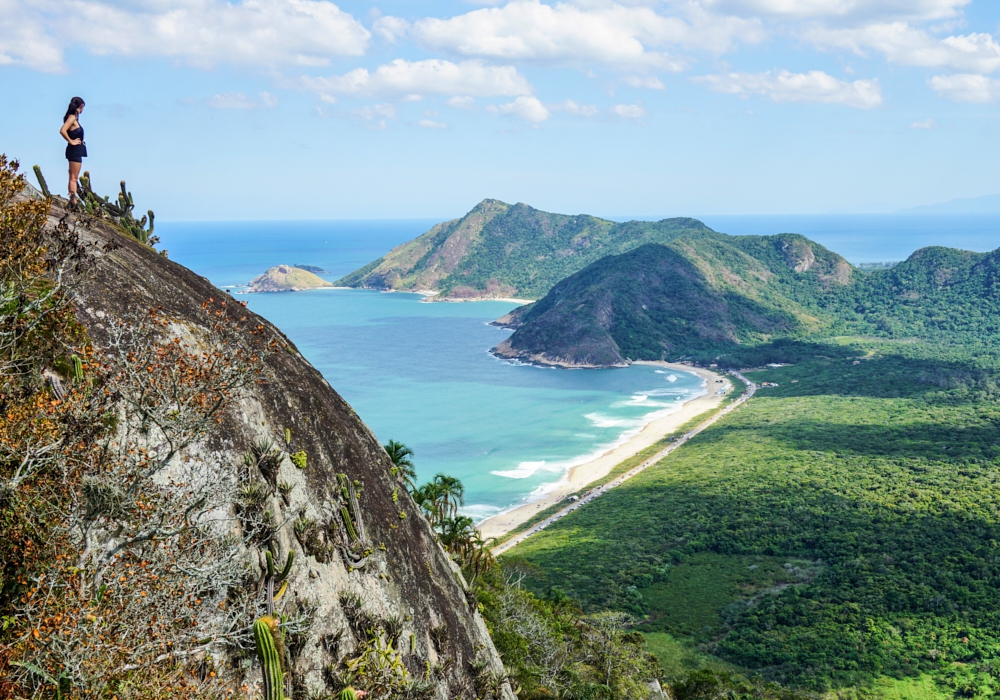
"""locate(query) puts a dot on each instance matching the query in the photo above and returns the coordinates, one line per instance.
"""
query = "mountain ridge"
(501, 250)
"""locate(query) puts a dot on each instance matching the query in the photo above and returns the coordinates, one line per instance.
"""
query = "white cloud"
(391, 29)
(598, 32)
(966, 87)
(403, 79)
(527, 108)
(239, 100)
(204, 33)
(571, 107)
(430, 124)
(648, 82)
(845, 9)
(629, 111)
(784, 86)
(462, 102)
(901, 43)
(925, 125)
(376, 112)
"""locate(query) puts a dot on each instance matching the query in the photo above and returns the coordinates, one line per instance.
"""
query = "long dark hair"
(74, 106)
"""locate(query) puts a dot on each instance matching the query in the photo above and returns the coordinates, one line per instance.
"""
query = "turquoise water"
(421, 373)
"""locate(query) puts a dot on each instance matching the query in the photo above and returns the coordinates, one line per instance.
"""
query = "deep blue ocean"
(421, 373)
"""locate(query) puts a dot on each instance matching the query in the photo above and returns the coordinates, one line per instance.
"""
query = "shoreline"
(578, 477)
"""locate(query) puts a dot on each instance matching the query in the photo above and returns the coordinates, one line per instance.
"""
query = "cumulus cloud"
(204, 33)
(528, 108)
(605, 32)
(403, 79)
(965, 87)
(629, 111)
(784, 86)
(391, 29)
(845, 9)
(906, 45)
(462, 102)
(239, 100)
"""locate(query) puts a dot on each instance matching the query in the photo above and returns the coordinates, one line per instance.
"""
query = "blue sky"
(288, 109)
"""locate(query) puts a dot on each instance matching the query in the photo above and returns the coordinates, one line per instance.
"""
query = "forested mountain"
(724, 298)
(697, 294)
(502, 250)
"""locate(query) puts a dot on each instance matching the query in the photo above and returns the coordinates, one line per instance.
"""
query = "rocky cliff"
(406, 578)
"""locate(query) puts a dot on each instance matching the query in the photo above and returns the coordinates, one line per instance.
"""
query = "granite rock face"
(408, 576)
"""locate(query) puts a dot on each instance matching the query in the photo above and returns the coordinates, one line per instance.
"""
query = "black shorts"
(76, 154)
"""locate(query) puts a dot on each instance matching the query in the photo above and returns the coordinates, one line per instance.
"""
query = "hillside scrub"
(844, 524)
(120, 571)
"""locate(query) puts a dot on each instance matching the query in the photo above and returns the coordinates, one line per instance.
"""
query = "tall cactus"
(41, 182)
(77, 368)
(266, 633)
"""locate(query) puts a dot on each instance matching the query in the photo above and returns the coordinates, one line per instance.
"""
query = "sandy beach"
(578, 477)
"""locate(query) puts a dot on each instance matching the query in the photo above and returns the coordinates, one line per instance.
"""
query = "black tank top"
(76, 152)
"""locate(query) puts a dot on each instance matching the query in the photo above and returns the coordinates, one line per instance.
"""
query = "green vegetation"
(504, 250)
(839, 531)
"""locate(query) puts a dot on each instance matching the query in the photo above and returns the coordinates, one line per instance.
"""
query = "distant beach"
(578, 477)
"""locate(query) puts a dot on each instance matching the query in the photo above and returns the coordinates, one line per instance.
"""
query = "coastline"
(580, 476)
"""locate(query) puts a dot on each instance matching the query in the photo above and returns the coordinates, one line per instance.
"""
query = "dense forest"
(504, 250)
(839, 531)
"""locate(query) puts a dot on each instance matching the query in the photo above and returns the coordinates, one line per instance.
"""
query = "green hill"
(733, 299)
(697, 294)
(502, 250)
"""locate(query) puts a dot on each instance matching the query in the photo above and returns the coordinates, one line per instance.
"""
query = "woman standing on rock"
(76, 149)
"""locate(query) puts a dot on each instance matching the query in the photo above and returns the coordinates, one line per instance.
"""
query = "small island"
(285, 278)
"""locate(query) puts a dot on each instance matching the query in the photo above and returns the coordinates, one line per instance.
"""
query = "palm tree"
(429, 497)
(457, 535)
(452, 493)
(400, 455)
(481, 557)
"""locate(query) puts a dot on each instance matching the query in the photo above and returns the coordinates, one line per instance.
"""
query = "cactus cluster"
(119, 213)
(299, 459)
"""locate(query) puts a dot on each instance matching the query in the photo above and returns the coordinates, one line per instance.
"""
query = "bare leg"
(74, 176)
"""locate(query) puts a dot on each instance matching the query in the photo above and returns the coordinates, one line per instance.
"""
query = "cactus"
(265, 632)
(351, 532)
(273, 577)
(288, 432)
(299, 459)
(77, 368)
(119, 213)
(347, 694)
(41, 182)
